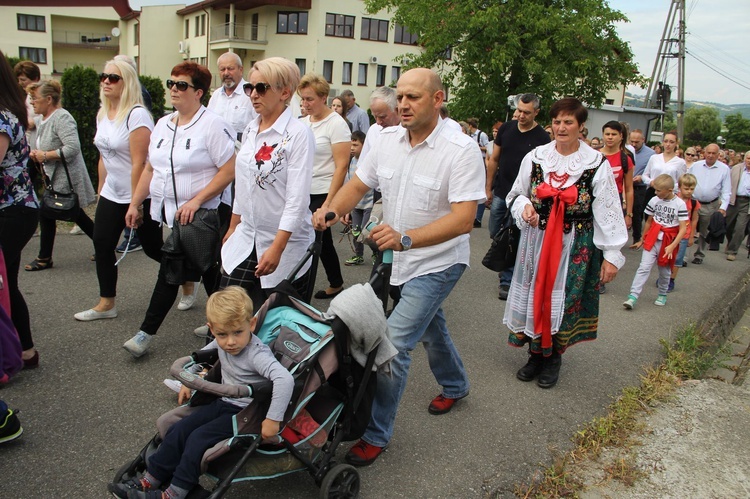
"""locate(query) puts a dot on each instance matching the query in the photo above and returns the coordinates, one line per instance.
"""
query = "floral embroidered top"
(17, 187)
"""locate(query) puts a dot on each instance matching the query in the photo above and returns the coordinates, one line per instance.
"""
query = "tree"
(702, 124)
(155, 88)
(80, 96)
(553, 48)
(738, 129)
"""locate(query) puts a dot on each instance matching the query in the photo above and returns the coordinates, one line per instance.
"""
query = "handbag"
(60, 205)
(504, 247)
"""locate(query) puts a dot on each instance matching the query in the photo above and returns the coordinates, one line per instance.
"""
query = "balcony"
(238, 36)
(84, 40)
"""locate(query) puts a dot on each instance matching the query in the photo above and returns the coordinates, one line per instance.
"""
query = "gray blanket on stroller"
(362, 312)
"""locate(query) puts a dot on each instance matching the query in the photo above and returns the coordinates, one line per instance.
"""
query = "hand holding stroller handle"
(388, 256)
(330, 216)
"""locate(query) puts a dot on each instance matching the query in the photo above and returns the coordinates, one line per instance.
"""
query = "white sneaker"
(173, 384)
(187, 301)
(201, 332)
(76, 230)
(93, 315)
(138, 344)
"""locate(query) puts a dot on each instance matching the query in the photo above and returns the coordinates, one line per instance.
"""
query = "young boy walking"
(686, 183)
(244, 360)
(665, 228)
(360, 215)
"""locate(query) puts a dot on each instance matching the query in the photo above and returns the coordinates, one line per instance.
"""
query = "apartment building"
(336, 38)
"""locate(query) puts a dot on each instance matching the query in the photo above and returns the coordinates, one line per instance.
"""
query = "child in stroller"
(244, 360)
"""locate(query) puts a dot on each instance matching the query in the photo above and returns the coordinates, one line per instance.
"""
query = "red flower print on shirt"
(263, 154)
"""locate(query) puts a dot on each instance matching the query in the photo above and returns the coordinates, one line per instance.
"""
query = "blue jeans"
(681, 253)
(497, 213)
(418, 317)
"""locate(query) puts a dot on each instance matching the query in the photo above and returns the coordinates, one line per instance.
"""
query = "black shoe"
(532, 368)
(550, 371)
(10, 427)
(697, 260)
(477, 223)
(503, 295)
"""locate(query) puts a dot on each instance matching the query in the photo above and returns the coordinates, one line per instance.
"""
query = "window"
(380, 76)
(200, 25)
(374, 29)
(302, 65)
(292, 23)
(609, 102)
(254, 27)
(362, 78)
(346, 75)
(187, 28)
(340, 25)
(36, 55)
(395, 74)
(136, 33)
(328, 71)
(27, 22)
(402, 35)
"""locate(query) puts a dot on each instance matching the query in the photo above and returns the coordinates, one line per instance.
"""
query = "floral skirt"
(580, 319)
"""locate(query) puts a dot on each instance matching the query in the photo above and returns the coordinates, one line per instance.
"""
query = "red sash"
(549, 260)
(653, 235)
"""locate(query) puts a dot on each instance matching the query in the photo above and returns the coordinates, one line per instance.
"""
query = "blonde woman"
(332, 152)
(123, 132)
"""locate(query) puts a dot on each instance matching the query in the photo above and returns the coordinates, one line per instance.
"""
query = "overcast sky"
(718, 33)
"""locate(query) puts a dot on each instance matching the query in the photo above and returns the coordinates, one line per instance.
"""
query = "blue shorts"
(681, 253)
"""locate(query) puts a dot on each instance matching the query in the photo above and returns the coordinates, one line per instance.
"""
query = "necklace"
(560, 180)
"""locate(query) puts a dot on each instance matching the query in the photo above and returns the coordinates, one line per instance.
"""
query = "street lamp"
(721, 140)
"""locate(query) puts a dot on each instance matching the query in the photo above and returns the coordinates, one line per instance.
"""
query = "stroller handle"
(179, 371)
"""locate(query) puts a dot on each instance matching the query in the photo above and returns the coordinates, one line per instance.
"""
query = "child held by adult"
(665, 228)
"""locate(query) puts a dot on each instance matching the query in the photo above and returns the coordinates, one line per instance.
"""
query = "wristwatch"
(405, 242)
(629, 215)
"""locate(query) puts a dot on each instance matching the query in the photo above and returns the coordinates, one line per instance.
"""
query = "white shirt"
(113, 141)
(743, 189)
(713, 182)
(419, 184)
(480, 138)
(675, 168)
(371, 140)
(272, 194)
(201, 147)
(330, 130)
(236, 108)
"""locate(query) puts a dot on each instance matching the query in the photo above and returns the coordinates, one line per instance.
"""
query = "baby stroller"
(331, 401)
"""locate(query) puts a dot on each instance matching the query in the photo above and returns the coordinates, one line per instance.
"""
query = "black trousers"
(640, 200)
(17, 225)
(110, 221)
(328, 255)
(48, 229)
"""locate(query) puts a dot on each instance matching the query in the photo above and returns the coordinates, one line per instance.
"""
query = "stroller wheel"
(341, 482)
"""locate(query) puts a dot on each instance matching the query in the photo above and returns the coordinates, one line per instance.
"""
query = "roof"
(122, 7)
(244, 5)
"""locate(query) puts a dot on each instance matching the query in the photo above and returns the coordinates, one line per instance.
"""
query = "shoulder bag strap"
(67, 173)
(171, 162)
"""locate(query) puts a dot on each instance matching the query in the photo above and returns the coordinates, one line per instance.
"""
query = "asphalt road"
(90, 406)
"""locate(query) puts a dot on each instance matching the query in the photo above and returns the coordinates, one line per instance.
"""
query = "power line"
(718, 53)
(743, 85)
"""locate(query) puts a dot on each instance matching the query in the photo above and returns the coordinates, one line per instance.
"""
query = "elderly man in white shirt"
(431, 181)
(713, 191)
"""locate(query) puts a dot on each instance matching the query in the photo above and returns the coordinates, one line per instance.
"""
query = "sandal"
(39, 264)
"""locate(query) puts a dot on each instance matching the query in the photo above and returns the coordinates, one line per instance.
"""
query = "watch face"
(406, 242)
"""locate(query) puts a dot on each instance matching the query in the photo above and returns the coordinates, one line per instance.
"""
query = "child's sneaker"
(670, 288)
(355, 260)
(10, 427)
(661, 300)
(630, 302)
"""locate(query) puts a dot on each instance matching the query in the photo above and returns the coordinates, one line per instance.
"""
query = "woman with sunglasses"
(190, 163)
(271, 226)
(665, 162)
(691, 156)
(19, 206)
(332, 154)
(57, 138)
(123, 130)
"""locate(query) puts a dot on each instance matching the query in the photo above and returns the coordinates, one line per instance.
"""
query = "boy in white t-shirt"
(665, 228)
(360, 215)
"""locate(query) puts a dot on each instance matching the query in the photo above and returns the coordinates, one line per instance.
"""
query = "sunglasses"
(113, 78)
(181, 85)
(690, 154)
(260, 88)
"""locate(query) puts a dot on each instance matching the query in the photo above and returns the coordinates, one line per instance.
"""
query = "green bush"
(13, 61)
(80, 96)
(155, 87)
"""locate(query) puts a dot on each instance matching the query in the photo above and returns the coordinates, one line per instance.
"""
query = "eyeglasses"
(181, 85)
(113, 78)
(690, 154)
(260, 88)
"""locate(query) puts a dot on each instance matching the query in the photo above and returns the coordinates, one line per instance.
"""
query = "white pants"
(648, 259)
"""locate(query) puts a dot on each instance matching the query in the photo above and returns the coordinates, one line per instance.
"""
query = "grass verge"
(687, 356)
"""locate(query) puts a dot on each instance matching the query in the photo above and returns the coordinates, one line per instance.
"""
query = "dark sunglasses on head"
(181, 85)
(113, 78)
(260, 88)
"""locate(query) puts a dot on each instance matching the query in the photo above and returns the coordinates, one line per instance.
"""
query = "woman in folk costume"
(566, 203)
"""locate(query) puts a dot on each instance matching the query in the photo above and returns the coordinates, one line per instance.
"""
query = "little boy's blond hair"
(229, 307)
(687, 180)
(664, 182)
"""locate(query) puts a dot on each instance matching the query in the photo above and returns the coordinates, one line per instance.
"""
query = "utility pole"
(658, 91)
